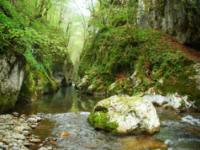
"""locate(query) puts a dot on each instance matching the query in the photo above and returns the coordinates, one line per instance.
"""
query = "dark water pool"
(65, 100)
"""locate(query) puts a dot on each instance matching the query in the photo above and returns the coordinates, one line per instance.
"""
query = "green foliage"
(7, 102)
(100, 120)
(123, 49)
(26, 31)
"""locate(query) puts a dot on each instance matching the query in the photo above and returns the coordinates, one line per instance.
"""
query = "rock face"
(63, 72)
(125, 115)
(176, 17)
(68, 70)
(11, 79)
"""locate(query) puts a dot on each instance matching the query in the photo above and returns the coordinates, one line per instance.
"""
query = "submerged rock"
(125, 115)
(82, 135)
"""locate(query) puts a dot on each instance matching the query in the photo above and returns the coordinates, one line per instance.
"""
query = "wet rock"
(43, 148)
(23, 128)
(15, 132)
(18, 136)
(26, 133)
(35, 140)
(3, 146)
(191, 120)
(34, 119)
(168, 142)
(174, 101)
(15, 114)
(125, 115)
(49, 148)
(33, 126)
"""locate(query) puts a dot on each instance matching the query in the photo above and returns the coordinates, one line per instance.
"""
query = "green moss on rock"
(7, 102)
(144, 58)
(35, 84)
(100, 120)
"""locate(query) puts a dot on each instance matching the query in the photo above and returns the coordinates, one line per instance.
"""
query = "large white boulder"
(125, 115)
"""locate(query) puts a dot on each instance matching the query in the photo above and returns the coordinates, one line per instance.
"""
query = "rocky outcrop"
(176, 17)
(174, 101)
(125, 115)
(63, 72)
(11, 79)
(68, 70)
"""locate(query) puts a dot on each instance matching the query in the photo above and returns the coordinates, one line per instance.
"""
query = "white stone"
(131, 114)
(174, 101)
(191, 120)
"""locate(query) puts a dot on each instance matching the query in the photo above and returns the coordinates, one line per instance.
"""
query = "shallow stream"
(66, 113)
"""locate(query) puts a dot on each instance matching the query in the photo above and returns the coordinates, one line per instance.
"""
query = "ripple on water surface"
(178, 131)
(83, 137)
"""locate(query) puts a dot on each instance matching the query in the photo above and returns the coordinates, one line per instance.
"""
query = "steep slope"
(178, 18)
(122, 57)
(30, 46)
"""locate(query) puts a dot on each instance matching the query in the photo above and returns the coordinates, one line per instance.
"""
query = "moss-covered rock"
(129, 59)
(35, 43)
(35, 84)
(7, 102)
(125, 115)
(100, 120)
(11, 78)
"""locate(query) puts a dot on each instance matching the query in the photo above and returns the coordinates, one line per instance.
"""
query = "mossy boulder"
(100, 120)
(36, 83)
(125, 115)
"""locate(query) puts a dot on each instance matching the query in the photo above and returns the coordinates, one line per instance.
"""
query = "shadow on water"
(65, 100)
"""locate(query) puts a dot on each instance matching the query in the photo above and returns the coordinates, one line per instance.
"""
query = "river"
(66, 112)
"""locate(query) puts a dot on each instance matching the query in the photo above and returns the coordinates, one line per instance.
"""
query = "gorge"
(70, 69)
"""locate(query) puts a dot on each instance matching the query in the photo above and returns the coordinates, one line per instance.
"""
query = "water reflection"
(65, 100)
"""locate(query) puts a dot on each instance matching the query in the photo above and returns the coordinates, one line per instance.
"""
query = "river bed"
(66, 122)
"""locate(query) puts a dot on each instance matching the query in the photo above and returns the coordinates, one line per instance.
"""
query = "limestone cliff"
(179, 18)
(11, 79)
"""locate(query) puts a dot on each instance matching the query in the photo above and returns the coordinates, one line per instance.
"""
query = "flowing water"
(67, 111)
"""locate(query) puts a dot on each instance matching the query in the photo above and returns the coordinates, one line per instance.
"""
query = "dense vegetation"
(120, 57)
(32, 31)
